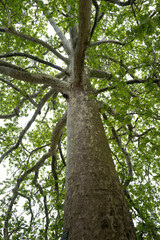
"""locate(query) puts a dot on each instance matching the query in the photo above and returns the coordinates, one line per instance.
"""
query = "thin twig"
(37, 59)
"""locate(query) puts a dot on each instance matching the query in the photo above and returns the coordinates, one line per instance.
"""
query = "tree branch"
(57, 131)
(58, 31)
(61, 154)
(117, 2)
(39, 107)
(134, 81)
(15, 192)
(127, 157)
(106, 42)
(103, 106)
(44, 201)
(8, 55)
(30, 206)
(126, 154)
(13, 71)
(15, 111)
(121, 65)
(55, 175)
(7, 64)
(153, 14)
(8, 15)
(35, 40)
(97, 18)
(56, 135)
(29, 97)
(94, 73)
(141, 214)
(83, 39)
(61, 35)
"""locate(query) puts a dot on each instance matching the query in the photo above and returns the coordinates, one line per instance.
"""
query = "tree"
(101, 63)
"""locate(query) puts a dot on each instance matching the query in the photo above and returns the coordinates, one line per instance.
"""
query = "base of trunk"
(95, 206)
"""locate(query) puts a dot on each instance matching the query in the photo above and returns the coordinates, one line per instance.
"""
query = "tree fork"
(95, 206)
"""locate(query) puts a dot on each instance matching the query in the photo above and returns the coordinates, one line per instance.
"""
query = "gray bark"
(95, 206)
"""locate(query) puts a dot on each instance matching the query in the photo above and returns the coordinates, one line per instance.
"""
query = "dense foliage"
(123, 59)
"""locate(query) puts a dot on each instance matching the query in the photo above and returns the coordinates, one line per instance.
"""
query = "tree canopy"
(123, 62)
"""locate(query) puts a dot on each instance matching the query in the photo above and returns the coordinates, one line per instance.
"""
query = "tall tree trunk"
(95, 206)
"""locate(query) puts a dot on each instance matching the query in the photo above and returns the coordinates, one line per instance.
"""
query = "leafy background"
(130, 111)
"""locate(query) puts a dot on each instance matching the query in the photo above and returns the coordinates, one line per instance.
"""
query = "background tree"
(115, 44)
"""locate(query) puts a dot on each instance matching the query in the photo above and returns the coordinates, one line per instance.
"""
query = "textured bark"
(12, 71)
(95, 206)
(83, 39)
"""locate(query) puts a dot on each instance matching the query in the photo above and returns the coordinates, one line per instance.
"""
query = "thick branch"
(57, 132)
(7, 64)
(94, 73)
(35, 40)
(55, 175)
(83, 39)
(54, 143)
(61, 35)
(32, 78)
